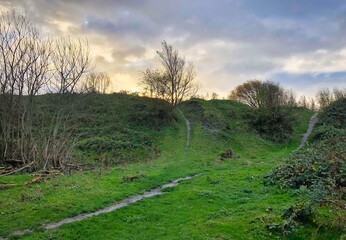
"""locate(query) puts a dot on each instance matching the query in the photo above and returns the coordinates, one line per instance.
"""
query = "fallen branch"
(17, 170)
(14, 161)
(4, 186)
(43, 175)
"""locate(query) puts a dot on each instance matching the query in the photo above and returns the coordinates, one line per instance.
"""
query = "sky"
(300, 44)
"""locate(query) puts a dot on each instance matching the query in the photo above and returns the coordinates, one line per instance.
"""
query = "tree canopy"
(259, 94)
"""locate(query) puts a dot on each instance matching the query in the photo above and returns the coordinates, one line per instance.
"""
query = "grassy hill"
(227, 201)
(318, 173)
(113, 128)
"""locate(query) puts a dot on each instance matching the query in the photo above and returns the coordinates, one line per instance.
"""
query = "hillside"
(318, 173)
(111, 129)
(228, 200)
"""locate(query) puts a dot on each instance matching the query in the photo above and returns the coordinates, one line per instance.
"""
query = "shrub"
(334, 115)
(273, 125)
(320, 169)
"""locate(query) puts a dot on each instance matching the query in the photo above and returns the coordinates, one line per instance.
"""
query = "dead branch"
(17, 170)
(5, 186)
(43, 175)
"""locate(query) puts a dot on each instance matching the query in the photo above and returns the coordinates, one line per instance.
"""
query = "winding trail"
(188, 129)
(123, 203)
(312, 123)
(150, 193)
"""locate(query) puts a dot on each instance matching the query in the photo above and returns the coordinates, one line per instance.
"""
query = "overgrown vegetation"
(130, 144)
(271, 103)
(227, 201)
(95, 130)
(274, 125)
(318, 172)
(112, 129)
(325, 96)
(32, 63)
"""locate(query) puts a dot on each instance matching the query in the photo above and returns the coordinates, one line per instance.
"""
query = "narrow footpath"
(150, 193)
(123, 203)
(312, 123)
(188, 129)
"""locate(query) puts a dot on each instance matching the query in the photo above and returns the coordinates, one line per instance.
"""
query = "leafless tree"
(248, 92)
(290, 98)
(25, 69)
(71, 59)
(175, 81)
(312, 104)
(97, 82)
(214, 96)
(259, 94)
(303, 102)
(339, 93)
(155, 83)
(23, 66)
(324, 98)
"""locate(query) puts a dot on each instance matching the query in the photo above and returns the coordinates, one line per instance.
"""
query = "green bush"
(334, 115)
(320, 169)
(274, 125)
(323, 162)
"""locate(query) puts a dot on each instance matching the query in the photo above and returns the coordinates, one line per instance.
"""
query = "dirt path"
(188, 129)
(123, 203)
(153, 192)
(312, 123)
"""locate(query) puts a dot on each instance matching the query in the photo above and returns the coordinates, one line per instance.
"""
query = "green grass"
(108, 129)
(227, 201)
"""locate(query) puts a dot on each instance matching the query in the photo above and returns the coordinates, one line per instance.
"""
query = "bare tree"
(324, 98)
(259, 94)
(38, 73)
(175, 81)
(23, 66)
(25, 70)
(155, 83)
(339, 93)
(271, 119)
(290, 98)
(71, 59)
(248, 92)
(303, 102)
(97, 82)
(312, 104)
(214, 96)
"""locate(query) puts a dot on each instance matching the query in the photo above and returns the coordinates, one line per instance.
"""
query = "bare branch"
(175, 82)
(71, 60)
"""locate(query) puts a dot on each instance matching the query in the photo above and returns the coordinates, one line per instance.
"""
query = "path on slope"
(188, 129)
(150, 193)
(312, 123)
(123, 203)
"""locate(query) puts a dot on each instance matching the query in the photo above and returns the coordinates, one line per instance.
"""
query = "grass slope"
(112, 129)
(228, 201)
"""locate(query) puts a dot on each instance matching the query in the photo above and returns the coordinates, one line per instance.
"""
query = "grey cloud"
(137, 52)
(262, 33)
(293, 8)
(309, 84)
(251, 66)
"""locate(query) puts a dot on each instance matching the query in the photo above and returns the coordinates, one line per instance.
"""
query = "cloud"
(319, 61)
(229, 41)
(309, 84)
(129, 54)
